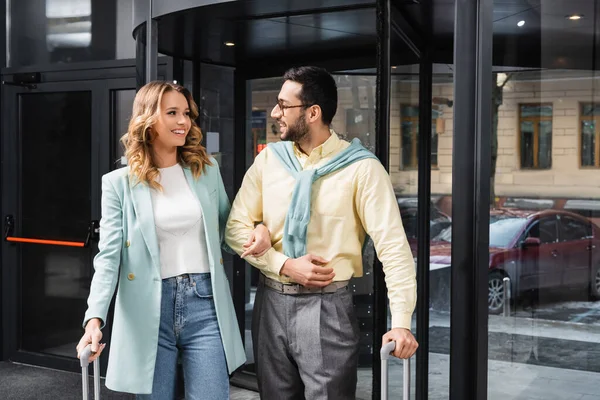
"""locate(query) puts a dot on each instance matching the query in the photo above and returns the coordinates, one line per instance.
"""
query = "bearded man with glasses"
(320, 197)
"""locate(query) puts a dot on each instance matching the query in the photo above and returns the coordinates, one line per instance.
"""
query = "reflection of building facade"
(556, 159)
(548, 135)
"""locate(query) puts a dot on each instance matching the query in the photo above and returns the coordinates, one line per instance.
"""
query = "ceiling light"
(394, 67)
(574, 17)
(229, 44)
(520, 23)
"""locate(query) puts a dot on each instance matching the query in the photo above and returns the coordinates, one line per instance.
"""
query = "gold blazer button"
(221, 261)
(127, 243)
(131, 276)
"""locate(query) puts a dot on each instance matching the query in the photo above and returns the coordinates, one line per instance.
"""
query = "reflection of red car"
(535, 249)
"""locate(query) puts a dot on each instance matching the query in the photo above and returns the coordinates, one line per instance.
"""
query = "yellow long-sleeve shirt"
(345, 206)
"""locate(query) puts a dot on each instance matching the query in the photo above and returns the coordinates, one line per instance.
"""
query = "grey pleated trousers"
(305, 346)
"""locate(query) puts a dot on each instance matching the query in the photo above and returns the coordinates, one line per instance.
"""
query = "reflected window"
(410, 223)
(572, 229)
(545, 230)
(504, 230)
(69, 24)
(359, 123)
(590, 134)
(259, 130)
(41, 32)
(409, 130)
(536, 136)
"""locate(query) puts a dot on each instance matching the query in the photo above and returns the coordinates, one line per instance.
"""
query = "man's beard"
(297, 132)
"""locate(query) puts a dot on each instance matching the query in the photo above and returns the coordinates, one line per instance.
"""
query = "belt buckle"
(294, 288)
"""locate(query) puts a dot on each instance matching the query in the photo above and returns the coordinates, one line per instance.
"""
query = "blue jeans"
(189, 330)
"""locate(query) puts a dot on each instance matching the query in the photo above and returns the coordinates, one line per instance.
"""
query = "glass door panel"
(55, 132)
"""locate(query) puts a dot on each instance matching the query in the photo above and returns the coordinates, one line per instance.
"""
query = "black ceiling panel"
(273, 34)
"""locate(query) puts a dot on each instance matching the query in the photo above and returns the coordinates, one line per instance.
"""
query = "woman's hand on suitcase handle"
(406, 344)
(92, 335)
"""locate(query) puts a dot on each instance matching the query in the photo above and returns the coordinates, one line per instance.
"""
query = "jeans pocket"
(202, 286)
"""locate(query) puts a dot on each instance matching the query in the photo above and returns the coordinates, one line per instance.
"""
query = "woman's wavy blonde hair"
(140, 135)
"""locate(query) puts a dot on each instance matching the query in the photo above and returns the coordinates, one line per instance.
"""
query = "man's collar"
(330, 144)
(328, 147)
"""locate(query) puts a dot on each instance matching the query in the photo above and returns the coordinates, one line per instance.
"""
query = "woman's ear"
(148, 135)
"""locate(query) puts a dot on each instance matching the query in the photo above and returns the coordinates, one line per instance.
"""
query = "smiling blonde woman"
(138, 139)
(163, 219)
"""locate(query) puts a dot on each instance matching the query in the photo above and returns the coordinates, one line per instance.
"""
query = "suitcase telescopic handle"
(386, 349)
(84, 361)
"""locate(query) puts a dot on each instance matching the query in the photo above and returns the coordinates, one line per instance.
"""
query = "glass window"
(359, 124)
(409, 124)
(536, 110)
(590, 110)
(410, 223)
(44, 32)
(259, 130)
(545, 230)
(590, 145)
(410, 127)
(572, 229)
(527, 138)
(56, 141)
(548, 123)
(536, 136)
(503, 231)
(434, 146)
(589, 140)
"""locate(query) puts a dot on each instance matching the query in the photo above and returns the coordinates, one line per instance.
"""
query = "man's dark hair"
(318, 88)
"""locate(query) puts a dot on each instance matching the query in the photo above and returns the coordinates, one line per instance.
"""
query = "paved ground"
(23, 382)
(515, 381)
(507, 380)
(547, 349)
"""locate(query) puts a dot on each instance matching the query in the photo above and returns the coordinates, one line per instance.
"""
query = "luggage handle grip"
(84, 357)
(385, 355)
(387, 349)
(84, 361)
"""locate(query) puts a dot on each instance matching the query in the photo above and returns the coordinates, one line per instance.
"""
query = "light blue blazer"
(128, 259)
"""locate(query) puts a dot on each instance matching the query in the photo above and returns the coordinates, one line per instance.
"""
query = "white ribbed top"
(179, 225)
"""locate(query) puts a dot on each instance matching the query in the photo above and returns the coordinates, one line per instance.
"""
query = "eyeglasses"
(283, 107)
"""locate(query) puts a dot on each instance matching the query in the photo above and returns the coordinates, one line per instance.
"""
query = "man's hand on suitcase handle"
(406, 344)
(92, 335)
